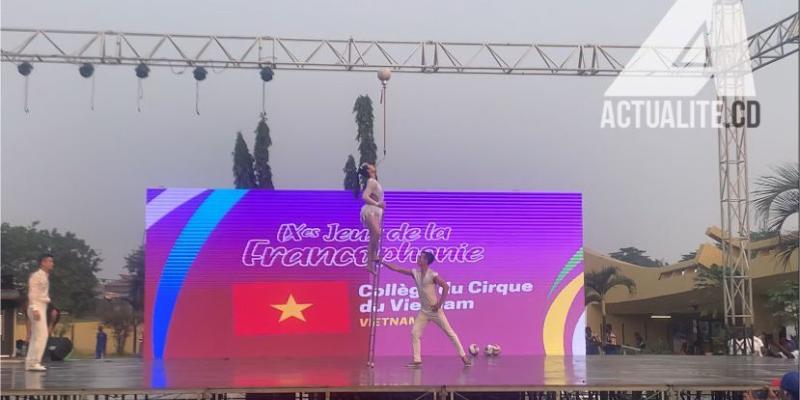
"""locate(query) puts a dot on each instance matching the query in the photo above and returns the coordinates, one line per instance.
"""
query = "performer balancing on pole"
(426, 280)
(372, 212)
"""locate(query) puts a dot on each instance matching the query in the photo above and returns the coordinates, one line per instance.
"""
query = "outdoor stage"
(204, 378)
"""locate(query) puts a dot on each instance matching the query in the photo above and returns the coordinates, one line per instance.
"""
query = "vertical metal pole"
(737, 288)
(734, 208)
(373, 311)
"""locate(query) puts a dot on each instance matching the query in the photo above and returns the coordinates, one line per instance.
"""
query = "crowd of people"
(763, 345)
(609, 344)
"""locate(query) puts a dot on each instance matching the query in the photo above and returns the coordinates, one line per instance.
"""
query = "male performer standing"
(431, 308)
(38, 299)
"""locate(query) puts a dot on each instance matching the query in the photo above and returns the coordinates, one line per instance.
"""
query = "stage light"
(200, 73)
(142, 71)
(25, 68)
(266, 74)
(660, 317)
(86, 70)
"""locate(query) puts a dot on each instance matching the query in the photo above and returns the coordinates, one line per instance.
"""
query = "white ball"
(497, 349)
(384, 74)
(489, 350)
(474, 349)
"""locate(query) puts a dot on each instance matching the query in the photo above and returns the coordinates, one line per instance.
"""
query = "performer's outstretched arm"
(395, 268)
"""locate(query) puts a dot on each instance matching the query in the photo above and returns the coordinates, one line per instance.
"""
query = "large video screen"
(262, 273)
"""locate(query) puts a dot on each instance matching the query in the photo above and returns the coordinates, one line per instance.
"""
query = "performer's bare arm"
(445, 290)
(395, 268)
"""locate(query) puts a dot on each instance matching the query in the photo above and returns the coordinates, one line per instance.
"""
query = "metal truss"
(242, 52)
(737, 282)
(174, 50)
(774, 42)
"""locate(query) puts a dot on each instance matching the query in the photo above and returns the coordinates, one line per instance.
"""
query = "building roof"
(672, 287)
(115, 288)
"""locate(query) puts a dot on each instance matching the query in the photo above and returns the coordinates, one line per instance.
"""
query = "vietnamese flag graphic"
(291, 307)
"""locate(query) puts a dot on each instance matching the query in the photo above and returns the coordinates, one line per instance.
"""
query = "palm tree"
(597, 285)
(776, 199)
(710, 277)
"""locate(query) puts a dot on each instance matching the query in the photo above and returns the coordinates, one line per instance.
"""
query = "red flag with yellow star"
(291, 307)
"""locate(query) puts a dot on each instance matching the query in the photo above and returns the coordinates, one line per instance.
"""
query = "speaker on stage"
(58, 348)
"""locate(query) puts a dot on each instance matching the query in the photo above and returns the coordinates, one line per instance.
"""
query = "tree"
(635, 256)
(244, 176)
(783, 302)
(134, 264)
(351, 176)
(597, 285)
(118, 315)
(762, 235)
(710, 277)
(367, 148)
(263, 172)
(73, 284)
(776, 200)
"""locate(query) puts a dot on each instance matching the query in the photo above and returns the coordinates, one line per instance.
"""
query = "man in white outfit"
(38, 299)
(426, 280)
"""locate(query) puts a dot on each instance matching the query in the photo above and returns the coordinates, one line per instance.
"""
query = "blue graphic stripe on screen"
(573, 261)
(180, 259)
(166, 202)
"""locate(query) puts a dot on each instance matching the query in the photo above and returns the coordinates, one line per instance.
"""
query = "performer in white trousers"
(38, 299)
(426, 280)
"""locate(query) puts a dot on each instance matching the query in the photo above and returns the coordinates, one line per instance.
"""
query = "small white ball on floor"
(492, 350)
(474, 349)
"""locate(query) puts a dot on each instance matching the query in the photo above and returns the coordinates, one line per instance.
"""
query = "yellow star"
(291, 309)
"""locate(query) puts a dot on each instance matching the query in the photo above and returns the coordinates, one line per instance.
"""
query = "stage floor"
(513, 373)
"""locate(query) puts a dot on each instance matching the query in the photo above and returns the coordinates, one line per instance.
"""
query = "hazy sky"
(86, 171)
